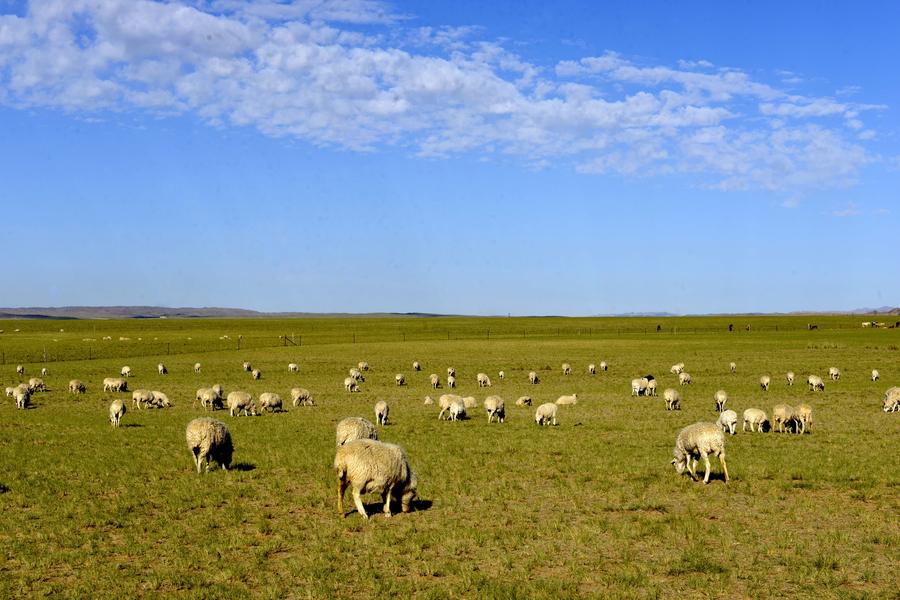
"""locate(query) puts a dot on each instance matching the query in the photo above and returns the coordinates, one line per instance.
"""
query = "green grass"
(589, 508)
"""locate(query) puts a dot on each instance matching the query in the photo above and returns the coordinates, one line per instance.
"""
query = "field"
(591, 507)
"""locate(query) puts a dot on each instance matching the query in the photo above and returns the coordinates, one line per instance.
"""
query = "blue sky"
(489, 158)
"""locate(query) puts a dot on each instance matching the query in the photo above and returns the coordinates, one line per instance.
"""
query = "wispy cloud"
(851, 210)
(351, 74)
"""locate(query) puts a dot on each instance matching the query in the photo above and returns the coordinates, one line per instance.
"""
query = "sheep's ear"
(674, 461)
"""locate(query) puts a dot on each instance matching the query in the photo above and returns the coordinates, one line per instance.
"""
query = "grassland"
(589, 508)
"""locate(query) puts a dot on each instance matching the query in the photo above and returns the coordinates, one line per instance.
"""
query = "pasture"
(591, 507)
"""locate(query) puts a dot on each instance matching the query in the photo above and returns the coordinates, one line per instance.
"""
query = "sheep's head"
(679, 461)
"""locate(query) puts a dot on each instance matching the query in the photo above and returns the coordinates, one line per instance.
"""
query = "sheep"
(523, 401)
(891, 400)
(604, 366)
(37, 384)
(10, 392)
(116, 411)
(247, 367)
(457, 411)
(428, 401)
(416, 366)
(728, 421)
(115, 384)
(208, 439)
(239, 402)
(533, 378)
(721, 397)
(815, 383)
(293, 367)
(875, 375)
(501, 375)
(400, 379)
(197, 367)
(651, 388)
(566, 369)
(20, 369)
(368, 466)
(732, 367)
(451, 372)
(677, 369)
(126, 371)
(764, 382)
(301, 397)
(161, 369)
(803, 418)
(790, 377)
(567, 400)
(445, 401)
(699, 441)
(217, 388)
(638, 386)
(546, 414)
(350, 384)
(363, 365)
(256, 374)
(271, 401)
(354, 428)
(755, 418)
(435, 381)
(592, 369)
(209, 399)
(469, 402)
(672, 398)
(44, 371)
(782, 417)
(141, 398)
(834, 373)
(357, 375)
(483, 380)
(495, 408)
(22, 396)
(684, 378)
(381, 412)
(451, 381)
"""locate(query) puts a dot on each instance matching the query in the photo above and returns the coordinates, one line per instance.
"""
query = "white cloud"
(851, 210)
(293, 70)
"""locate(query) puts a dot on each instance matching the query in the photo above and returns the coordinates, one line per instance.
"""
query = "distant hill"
(158, 312)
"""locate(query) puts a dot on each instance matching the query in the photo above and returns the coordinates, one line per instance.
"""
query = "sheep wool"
(209, 439)
(369, 466)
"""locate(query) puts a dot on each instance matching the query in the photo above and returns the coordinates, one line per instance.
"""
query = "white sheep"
(354, 428)
(469, 402)
(533, 378)
(10, 392)
(293, 367)
(44, 371)
(546, 414)
(483, 380)
(592, 369)
(732, 367)
(416, 366)
(301, 397)
(115, 384)
(815, 383)
(764, 382)
(22, 396)
(357, 375)
(197, 367)
(721, 397)
(495, 408)
(875, 375)
(699, 441)
(428, 401)
(672, 398)
(501, 375)
(141, 398)
(209, 439)
(435, 381)
(790, 377)
(523, 401)
(803, 418)
(445, 401)
(755, 418)
(400, 379)
(350, 384)
(271, 401)
(684, 378)
(116, 410)
(126, 371)
(451, 381)
(728, 421)
(782, 417)
(834, 373)
(217, 388)
(677, 369)
(891, 400)
(363, 365)
(209, 399)
(651, 388)
(566, 369)
(36, 384)
(247, 366)
(160, 400)
(604, 366)
(239, 402)
(451, 372)
(638, 386)
(256, 374)
(161, 369)
(368, 466)
(381, 412)
(457, 411)
(20, 369)
(567, 400)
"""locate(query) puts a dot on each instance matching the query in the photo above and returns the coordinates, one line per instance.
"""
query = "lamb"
(451, 372)
(239, 402)
(209, 399)
(271, 401)
(483, 380)
(533, 378)
(469, 402)
(116, 411)
(732, 367)
(435, 381)
(566, 368)
(764, 383)
(699, 441)
(783, 417)
(161, 369)
(197, 367)
(115, 384)
(350, 384)
(604, 366)
(728, 421)
(10, 392)
(523, 401)
(354, 428)
(247, 367)
(208, 439)
(428, 401)
(363, 365)
(834, 373)
(790, 377)
(684, 378)
(651, 388)
(501, 375)
(672, 398)
(160, 400)
(126, 371)
(451, 381)
(457, 411)
(755, 418)
(301, 397)
(416, 366)
(256, 374)
(815, 383)
(891, 400)
(875, 375)
(638, 386)
(567, 400)
(293, 367)
(381, 412)
(400, 379)
(803, 418)
(371, 466)
(546, 414)
(445, 401)
(495, 408)
(677, 369)
(721, 398)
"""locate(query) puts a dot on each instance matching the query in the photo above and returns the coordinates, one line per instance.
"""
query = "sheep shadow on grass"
(243, 467)
(374, 509)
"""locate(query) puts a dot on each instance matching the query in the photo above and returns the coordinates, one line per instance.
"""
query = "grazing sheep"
(435, 381)
(363, 365)
(815, 383)
(567, 400)
(684, 379)
(451, 372)
(764, 382)
(803, 418)
(445, 401)
(834, 373)
(416, 366)
(721, 398)
(357, 375)
(699, 441)
(218, 389)
(400, 379)
(141, 398)
(495, 408)
(546, 414)
(161, 369)
(381, 412)
(501, 375)
(44, 371)
(197, 367)
(451, 381)
(638, 386)
(115, 384)
(256, 374)
(728, 421)
(293, 367)
(677, 369)
(20, 370)
(604, 366)
(672, 398)
(271, 401)
(126, 371)
(891, 400)
(651, 388)
(533, 378)
(350, 384)
(10, 392)
(239, 402)
(755, 418)
(116, 410)
(76, 386)
(470, 402)
(22, 396)
(592, 369)
(875, 375)
(368, 466)
(457, 411)
(566, 369)
(37, 384)
(301, 397)
(732, 367)
(428, 401)
(790, 377)
(160, 400)
(354, 428)
(483, 380)
(247, 367)
(782, 417)
(209, 399)
(523, 401)
(209, 439)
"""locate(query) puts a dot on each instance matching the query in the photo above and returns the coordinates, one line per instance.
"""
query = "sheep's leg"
(706, 462)
(692, 468)
(386, 497)
(357, 499)
(342, 485)
(724, 466)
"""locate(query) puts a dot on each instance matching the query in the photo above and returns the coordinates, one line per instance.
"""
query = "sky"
(465, 157)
